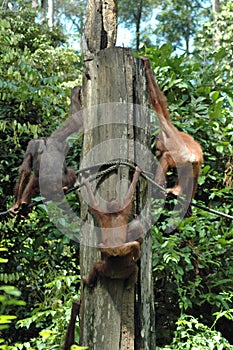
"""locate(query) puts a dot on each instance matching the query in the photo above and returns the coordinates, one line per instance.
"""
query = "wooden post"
(115, 126)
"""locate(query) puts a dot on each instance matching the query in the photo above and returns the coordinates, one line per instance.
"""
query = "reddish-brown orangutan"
(51, 150)
(121, 242)
(174, 149)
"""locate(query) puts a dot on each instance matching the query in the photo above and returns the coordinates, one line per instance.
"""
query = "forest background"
(190, 45)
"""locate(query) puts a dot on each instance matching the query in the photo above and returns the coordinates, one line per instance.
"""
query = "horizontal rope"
(114, 164)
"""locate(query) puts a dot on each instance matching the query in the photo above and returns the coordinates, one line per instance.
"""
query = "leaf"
(220, 148)
(39, 241)
(11, 290)
(214, 95)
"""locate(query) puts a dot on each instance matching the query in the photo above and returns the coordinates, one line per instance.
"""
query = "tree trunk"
(116, 127)
(187, 37)
(50, 13)
(100, 26)
(43, 10)
(138, 23)
(216, 6)
(144, 292)
(4, 4)
(217, 34)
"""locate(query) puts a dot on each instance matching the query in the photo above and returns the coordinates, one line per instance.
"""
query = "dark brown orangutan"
(74, 123)
(174, 149)
(70, 334)
(28, 184)
(50, 151)
(121, 242)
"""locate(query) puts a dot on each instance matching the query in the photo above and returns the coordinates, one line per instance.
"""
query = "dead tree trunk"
(115, 130)
(100, 26)
(116, 126)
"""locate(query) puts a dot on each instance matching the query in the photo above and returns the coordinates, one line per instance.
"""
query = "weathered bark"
(116, 127)
(100, 26)
(145, 321)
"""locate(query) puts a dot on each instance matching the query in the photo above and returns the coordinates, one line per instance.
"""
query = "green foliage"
(45, 263)
(8, 296)
(34, 93)
(31, 34)
(191, 334)
(36, 77)
(54, 310)
(193, 264)
(220, 30)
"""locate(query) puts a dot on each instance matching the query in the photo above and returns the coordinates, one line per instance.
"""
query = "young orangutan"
(173, 148)
(119, 255)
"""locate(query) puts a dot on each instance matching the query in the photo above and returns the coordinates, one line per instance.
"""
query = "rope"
(75, 188)
(144, 174)
(4, 213)
(182, 200)
(112, 165)
(92, 178)
(116, 162)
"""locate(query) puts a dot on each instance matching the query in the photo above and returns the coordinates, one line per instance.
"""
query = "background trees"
(37, 74)
(133, 14)
(193, 267)
(178, 22)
